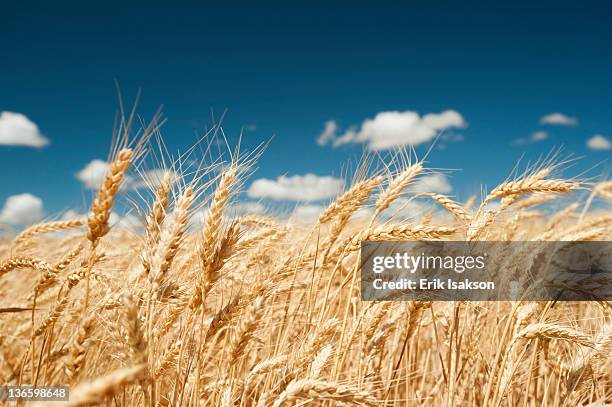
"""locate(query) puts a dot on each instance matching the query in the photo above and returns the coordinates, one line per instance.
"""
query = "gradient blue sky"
(287, 70)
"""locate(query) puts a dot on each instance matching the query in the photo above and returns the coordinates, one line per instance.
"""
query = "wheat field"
(256, 310)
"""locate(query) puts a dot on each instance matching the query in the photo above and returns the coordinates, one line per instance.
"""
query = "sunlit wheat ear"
(400, 232)
(554, 331)
(257, 221)
(320, 390)
(167, 359)
(581, 371)
(342, 210)
(212, 229)
(24, 262)
(374, 317)
(136, 339)
(374, 347)
(49, 278)
(154, 221)
(245, 331)
(351, 200)
(266, 366)
(521, 187)
(102, 205)
(318, 339)
(68, 258)
(52, 317)
(453, 207)
(47, 228)
(251, 242)
(535, 199)
(226, 397)
(223, 251)
(319, 361)
(561, 216)
(479, 224)
(79, 349)
(395, 188)
(172, 236)
(102, 388)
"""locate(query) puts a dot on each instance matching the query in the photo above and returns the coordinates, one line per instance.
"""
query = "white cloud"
(92, 176)
(328, 134)
(307, 213)
(535, 137)
(128, 221)
(538, 136)
(434, 184)
(93, 173)
(248, 208)
(558, 119)
(393, 128)
(599, 142)
(17, 130)
(407, 208)
(22, 209)
(307, 187)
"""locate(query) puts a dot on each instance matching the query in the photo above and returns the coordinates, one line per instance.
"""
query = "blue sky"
(284, 72)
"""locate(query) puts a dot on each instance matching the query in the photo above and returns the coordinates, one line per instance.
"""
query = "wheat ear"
(351, 200)
(554, 331)
(98, 220)
(96, 391)
(154, 221)
(47, 228)
(24, 262)
(212, 230)
(453, 207)
(400, 232)
(321, 390)
(394, 189)
(79, 349)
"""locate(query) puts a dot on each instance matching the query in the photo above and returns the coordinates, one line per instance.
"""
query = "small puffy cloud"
(128, 221)
(93, 174)
(407, 208)
(599, 142)
(558, 119)
(17, 130)
(198, 218)
(434, 184)
(393, 128)
(248, 208)
(329, 133)
(535, 137)
(307, 187)
(22, 209)
(306, 213)
(538, 136)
